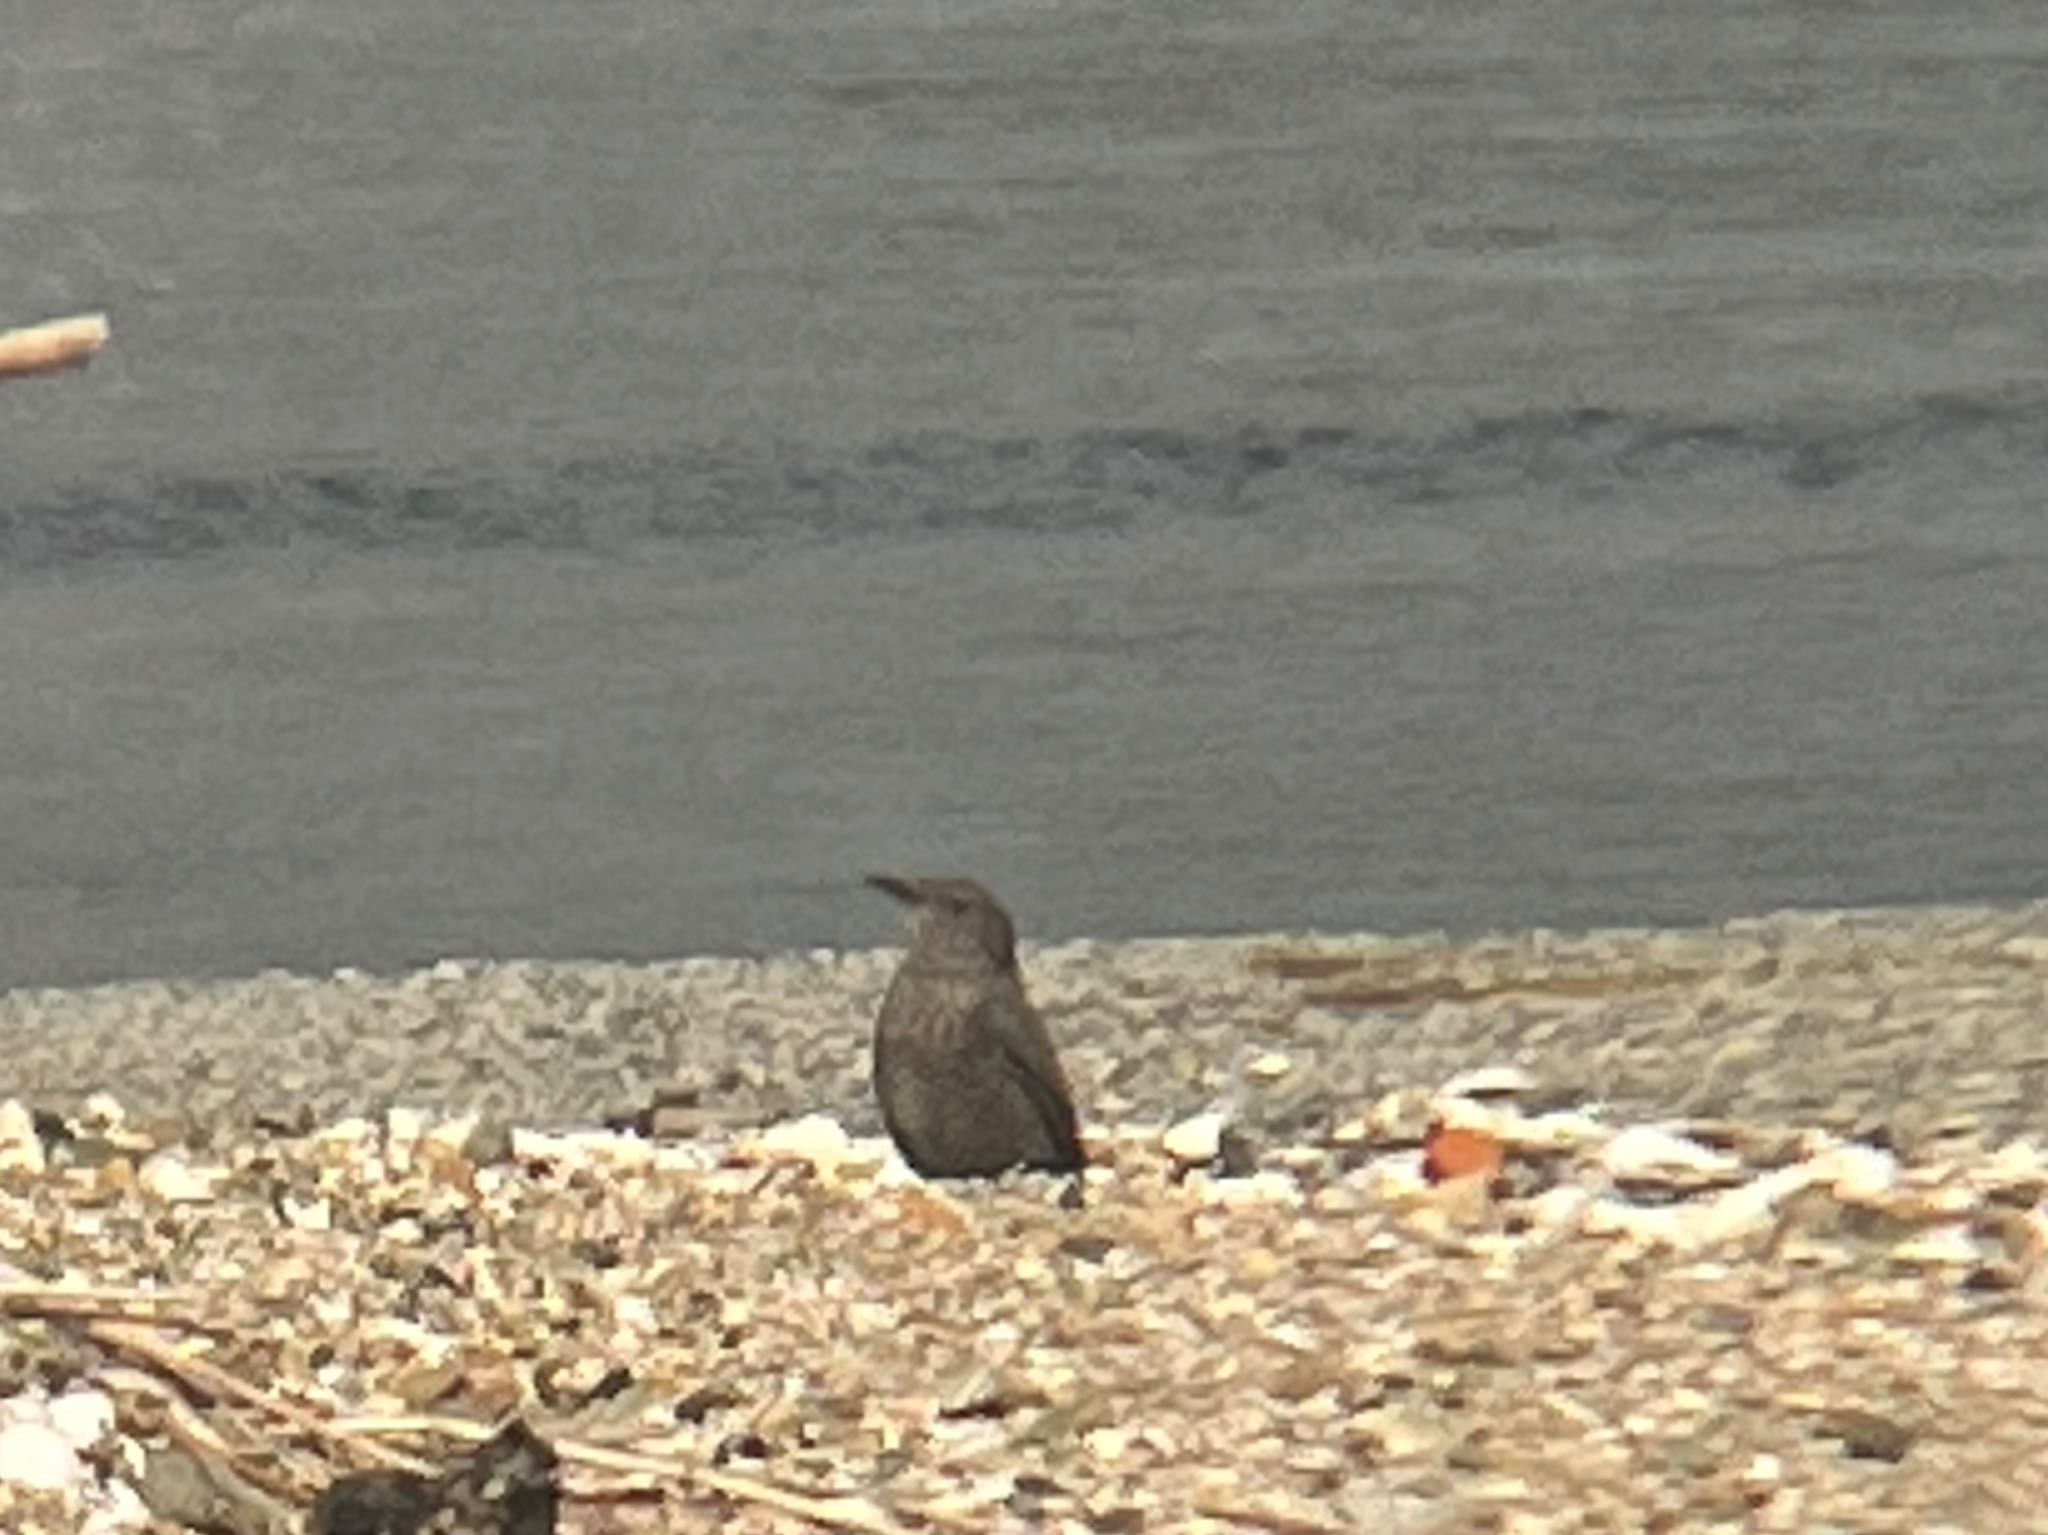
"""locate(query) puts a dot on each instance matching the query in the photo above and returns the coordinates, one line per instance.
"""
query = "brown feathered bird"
(966, 1074)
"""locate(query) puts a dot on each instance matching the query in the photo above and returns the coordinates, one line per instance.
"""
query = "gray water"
(593, 480)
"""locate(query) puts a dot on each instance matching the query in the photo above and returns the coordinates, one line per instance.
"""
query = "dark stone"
(376, 1503)
(510, 1486)
(1867, 1435)
(1088, 1249)
(704, 1401)
(742, 1446)
(1236, 1155)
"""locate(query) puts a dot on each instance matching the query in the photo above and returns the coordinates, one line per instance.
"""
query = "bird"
(968, 1081)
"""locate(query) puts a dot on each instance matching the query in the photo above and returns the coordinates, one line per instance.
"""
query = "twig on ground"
(140, 1343)
(118, 1303)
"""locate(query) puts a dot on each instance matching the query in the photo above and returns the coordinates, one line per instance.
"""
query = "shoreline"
(1901, 1021)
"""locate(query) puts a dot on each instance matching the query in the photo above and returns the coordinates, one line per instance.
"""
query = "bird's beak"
(909, 891)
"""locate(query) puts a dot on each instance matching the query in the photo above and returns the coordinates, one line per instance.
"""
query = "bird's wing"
(1028, 1055)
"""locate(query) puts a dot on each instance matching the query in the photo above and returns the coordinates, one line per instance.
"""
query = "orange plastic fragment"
(1449, 1153)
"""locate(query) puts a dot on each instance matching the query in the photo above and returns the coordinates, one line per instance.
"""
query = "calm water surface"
(595, 480)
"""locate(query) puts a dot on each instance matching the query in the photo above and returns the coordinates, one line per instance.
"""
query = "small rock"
(423, 1383)
(1403, 1115)
(115, 1178)
(2016, 1170)
(475, 1138)
(818, 1139)
(1558, 1210)
(985, 1393)
(1754, 1145)
(169, 1177)
(1940, 1247)
(1651, 1154)
(1387, 1434)
(1438, 1212)
(1749, 1207)
(1562, 1132)
(1088, 1248)
(85, 1418)
(2032, 948)
(21, 1149)
(147, 1134)
(548, 1147)
(1696, 1224)
(114, 1508)
(403, 1128)
(307, 1214)
(1857, 1172)
(1271, 1187)
(1270, 1066)
(1662, 1226)
(35, 1455)
(87, 1153)
(1867, 1435)
(1466, 1341)
(354, 1131)
(2017, 1234)
(1195, 1141)
(1108, 1444)
(687, 1120)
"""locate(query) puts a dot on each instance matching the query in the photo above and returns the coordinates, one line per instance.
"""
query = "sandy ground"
(1904, 1023)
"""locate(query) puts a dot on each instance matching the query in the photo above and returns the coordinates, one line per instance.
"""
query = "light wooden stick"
(55, 346)
(110, 1302)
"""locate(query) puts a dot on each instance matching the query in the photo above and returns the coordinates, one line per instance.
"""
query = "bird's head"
(958, 923)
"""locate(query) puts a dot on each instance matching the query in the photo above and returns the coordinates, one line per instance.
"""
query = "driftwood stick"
(27, 1298)
(141, 1343)
(195, 1436)
(56, 346)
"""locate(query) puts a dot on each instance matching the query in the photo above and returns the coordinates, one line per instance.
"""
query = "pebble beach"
(1908, 1021)
(1762, 1246)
